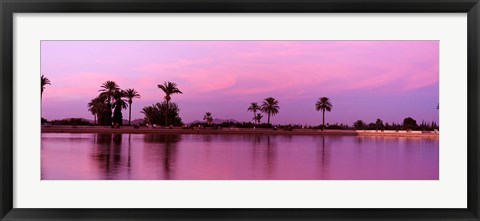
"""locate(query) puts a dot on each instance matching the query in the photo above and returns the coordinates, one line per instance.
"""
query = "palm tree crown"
(97, 107)
(359, 124)
(208, 117)
(323, 104)
(149, 112)
(254, 107)
(169, 88)
(119, 103)
(109, 88)
(119, 100)
(270, 106)
(44, 81)
(130, 94)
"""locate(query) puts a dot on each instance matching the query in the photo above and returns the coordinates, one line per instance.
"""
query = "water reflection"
(129, 159)
(107, 154)
(270, 155)
(321, 159)
(236, 157)
(162, 153)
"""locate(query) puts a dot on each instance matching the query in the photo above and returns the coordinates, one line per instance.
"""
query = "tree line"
(408, 124)
(107, 108)
(112, 99)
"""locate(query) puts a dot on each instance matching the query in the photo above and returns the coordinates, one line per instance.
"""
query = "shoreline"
(259, 131)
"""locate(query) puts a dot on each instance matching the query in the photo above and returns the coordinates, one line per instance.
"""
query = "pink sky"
(365, 80)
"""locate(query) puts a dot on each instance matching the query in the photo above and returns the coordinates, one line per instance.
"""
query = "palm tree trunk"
(166, 116)
(268, 118)
(130, 114)
(254, 116)
(109, 112)
(323, 125)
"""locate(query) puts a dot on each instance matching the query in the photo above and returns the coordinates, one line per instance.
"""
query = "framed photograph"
(255, 110)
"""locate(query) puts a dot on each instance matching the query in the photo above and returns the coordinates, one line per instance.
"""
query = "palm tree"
(270, 106)
(208, 117)
(119, 104)
(119, 100)
(97, 106)
(359, 124)
(323, 104)
(149, 112)
(92, 109)
(379, 124)
(109, 88)
(130, 94)
(254, 107)
(44, 81)
(169, 88)
(257, 118)
(173, 113)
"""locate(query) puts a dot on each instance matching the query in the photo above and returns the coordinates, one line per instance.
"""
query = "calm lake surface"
(236, 157)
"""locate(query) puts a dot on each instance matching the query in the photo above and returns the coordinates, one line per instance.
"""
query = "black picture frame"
(9, 7)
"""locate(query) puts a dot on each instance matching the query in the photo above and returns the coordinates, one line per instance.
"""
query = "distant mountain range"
(215, 121)
(136, 121)
(124, 121)
(141, 121)
(67, 119)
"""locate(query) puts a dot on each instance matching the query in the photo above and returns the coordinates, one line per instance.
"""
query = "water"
(236, 157)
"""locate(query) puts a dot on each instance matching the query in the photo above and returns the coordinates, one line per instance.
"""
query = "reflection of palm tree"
(207, 138)
(254, 107)
(322, 161)
(108, 155)
(44, 81)
(162, 138)
(169, 88)
(102, 152)
(129, 164)
(271, 152)
(323, 149)
(117, 153)
(169, 150)
(323, 104)
(130, 94)
(270, 106)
